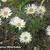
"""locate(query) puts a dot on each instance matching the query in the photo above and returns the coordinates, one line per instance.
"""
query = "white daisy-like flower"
(5, 12)
(30, 9)
(41, 10)
(25, 37)
(4, 0)
(48, 30)
(18, 22)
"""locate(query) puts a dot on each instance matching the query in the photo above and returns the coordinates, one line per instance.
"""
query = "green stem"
(42, 2)
(23, 4)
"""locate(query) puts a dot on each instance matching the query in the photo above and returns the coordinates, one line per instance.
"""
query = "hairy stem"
(42, 2)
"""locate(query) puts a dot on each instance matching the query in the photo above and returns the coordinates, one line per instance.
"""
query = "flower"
(18, 22)
(48, 30)
(4, 0)
(25, 37)
(30, 9)
(41, 10)
(5, 12)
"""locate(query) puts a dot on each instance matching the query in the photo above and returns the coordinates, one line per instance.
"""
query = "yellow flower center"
(25, 37)
(18, 24)
(30, 9)
(5, 13)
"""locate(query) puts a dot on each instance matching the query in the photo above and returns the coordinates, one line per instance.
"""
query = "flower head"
(18, 22)
(48, 30)
(25, 37)
(30, 9)
(5, 12)
(41, 10)
(4, 0)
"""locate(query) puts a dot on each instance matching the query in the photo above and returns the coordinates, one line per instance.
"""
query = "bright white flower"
(0, 21)
(30, 9)
(41, 10)
(48, 30)
(5, 12)
(4, 0)
(25, 37)
(18, 22)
